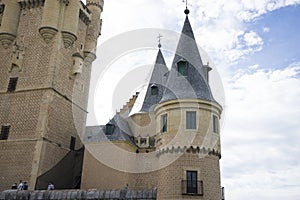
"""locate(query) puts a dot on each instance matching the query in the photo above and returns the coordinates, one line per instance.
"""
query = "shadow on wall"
(66, 174)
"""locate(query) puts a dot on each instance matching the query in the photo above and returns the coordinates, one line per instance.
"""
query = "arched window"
(182, 68)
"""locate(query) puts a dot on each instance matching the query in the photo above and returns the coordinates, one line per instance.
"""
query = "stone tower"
(46, 51)
(187, 124)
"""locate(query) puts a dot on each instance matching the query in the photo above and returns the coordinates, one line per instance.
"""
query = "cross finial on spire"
(159, 40)
(186, 11)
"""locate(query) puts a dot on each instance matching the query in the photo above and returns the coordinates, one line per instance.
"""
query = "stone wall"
(124, 194)
(168, 179)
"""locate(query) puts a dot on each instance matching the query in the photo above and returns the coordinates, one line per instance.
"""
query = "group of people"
(21, 186)
(24, 186)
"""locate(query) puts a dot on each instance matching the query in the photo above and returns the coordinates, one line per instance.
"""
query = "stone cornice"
(190, 149)
(31, 3)
(95, 4)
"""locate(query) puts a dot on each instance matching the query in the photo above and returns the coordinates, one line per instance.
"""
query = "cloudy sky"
(255, 46)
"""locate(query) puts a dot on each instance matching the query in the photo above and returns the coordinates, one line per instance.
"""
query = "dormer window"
(109, 129)
(182, 68)
(154, 89)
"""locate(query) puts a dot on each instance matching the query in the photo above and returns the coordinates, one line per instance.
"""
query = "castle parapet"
(49, 26)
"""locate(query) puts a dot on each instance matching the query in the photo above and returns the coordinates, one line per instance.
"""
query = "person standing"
(25, 186)
(20, 186)
(50, 186)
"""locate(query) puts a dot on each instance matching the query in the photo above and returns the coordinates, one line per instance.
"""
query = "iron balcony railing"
(192, 187)
(223, 193)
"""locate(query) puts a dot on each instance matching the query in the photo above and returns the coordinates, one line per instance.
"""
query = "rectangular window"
(215, 124)
(164, 123)
(191, 120)
(72, 143)
(192, 182)
(4, 132)
(12, 85)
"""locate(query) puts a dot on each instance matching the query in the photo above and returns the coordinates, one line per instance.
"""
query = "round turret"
(70, 26)
(188, 122)
(10, 22)
(49, 26)
(94, 29)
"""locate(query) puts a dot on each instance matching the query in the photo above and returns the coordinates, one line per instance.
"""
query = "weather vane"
(186, 11)
(186, 2)
(159, 40)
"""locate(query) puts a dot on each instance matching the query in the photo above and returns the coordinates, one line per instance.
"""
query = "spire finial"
(186, 11)
(159, 40)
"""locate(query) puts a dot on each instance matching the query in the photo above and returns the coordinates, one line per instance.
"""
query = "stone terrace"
(123, 194)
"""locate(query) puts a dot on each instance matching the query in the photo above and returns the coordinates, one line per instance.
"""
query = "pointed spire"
(151, 94)
(187, 76)
(156, 84)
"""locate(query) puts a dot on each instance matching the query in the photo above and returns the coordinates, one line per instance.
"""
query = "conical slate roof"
(157, 82)
(193, 84)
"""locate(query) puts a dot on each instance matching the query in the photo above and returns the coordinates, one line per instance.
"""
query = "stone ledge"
(124, 194)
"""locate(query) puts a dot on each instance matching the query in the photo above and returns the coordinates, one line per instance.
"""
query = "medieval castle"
(166, 138)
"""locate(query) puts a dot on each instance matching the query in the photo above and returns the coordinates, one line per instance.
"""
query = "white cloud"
(256, 66)
(219, 22)
(266, 29)
(261, 136)
(252, 39)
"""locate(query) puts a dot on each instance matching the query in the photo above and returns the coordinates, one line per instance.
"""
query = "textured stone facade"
(48, 105)
(168, 180)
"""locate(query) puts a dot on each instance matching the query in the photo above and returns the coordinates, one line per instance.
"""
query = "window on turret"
(215, 124)
(12, 85)
(4, 132)
(164, 123)
(154, 90)
(182, 68)
(191, 120)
